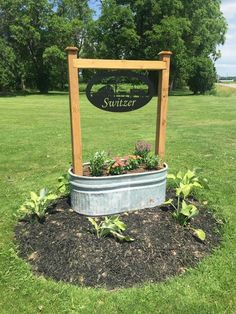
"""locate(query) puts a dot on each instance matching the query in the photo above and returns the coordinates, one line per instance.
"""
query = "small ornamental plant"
(110, 226)
(117, 166)
(152, 162)
(184, 210)
(142, 158)
(97, 163)
(132, 162)
(37, 205)
(142, 149)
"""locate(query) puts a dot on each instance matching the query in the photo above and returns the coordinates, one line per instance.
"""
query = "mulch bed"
(64, 247)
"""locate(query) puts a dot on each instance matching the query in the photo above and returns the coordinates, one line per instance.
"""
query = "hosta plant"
(185, 184)
(183, 212)
(110, 226)
(37, 205)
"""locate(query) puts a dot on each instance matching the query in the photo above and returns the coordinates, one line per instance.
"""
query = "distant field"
(36, 149)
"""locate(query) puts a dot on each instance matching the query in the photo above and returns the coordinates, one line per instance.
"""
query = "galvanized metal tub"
(99, 196)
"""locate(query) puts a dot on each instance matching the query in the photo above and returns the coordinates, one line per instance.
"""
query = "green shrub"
(202, 76)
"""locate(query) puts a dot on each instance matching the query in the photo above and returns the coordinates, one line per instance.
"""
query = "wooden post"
(163, 90)
(75, 111)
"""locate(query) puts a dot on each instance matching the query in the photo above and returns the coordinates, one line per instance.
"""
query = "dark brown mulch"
(64, 248)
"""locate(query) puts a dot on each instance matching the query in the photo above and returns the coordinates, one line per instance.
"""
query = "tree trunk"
(43, 82)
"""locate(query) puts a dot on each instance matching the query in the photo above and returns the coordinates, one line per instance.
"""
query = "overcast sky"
(226, 65)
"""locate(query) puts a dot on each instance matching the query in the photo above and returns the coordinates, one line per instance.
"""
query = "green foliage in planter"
(142, 149)
(117, 166)
(110, 226)
(37, 205)
(97, 163)
(133, 162)
(121, 165)
(151, 162)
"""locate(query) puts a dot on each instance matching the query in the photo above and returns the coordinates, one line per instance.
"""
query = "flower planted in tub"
(142, 149)
(142, 159)
(97, 163)
(133, 162)
(122, 165)
(117, 166)
(152, 162)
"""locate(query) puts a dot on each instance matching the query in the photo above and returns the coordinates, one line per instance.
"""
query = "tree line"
(34, 34)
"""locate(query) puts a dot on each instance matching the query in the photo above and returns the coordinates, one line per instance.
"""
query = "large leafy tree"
(8, 77)
(37, 32)
(190, 29)
(115, 35)
(25, 26)
(34, 34)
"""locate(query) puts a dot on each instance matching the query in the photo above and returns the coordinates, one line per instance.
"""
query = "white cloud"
(226, 66)
(229, 9)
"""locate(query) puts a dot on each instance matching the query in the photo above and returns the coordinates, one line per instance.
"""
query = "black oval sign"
(119, 91)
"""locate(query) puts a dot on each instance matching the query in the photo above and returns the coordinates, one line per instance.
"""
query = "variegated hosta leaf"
(51, 196)
(197, 184)
(121, 237)
(34, 196)
(93, 222)
(188, 210)
(199, 233)
(179, 175)
(120, 224)
(171, 176)
(168, 202)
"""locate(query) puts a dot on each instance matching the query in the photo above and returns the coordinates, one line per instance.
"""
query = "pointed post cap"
(165, 52)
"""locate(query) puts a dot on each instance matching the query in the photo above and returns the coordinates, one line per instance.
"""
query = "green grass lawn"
(35, 150)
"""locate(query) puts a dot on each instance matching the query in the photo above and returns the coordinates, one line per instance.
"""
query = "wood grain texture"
(163, 91)
(119, 64)
(75, 112)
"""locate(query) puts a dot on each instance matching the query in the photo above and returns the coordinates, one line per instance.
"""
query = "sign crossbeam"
(119, 64)
(74, 64)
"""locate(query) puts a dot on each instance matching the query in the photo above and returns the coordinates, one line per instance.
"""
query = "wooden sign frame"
(74, 64)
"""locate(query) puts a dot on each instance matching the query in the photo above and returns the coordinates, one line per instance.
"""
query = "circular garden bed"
(65, 248)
